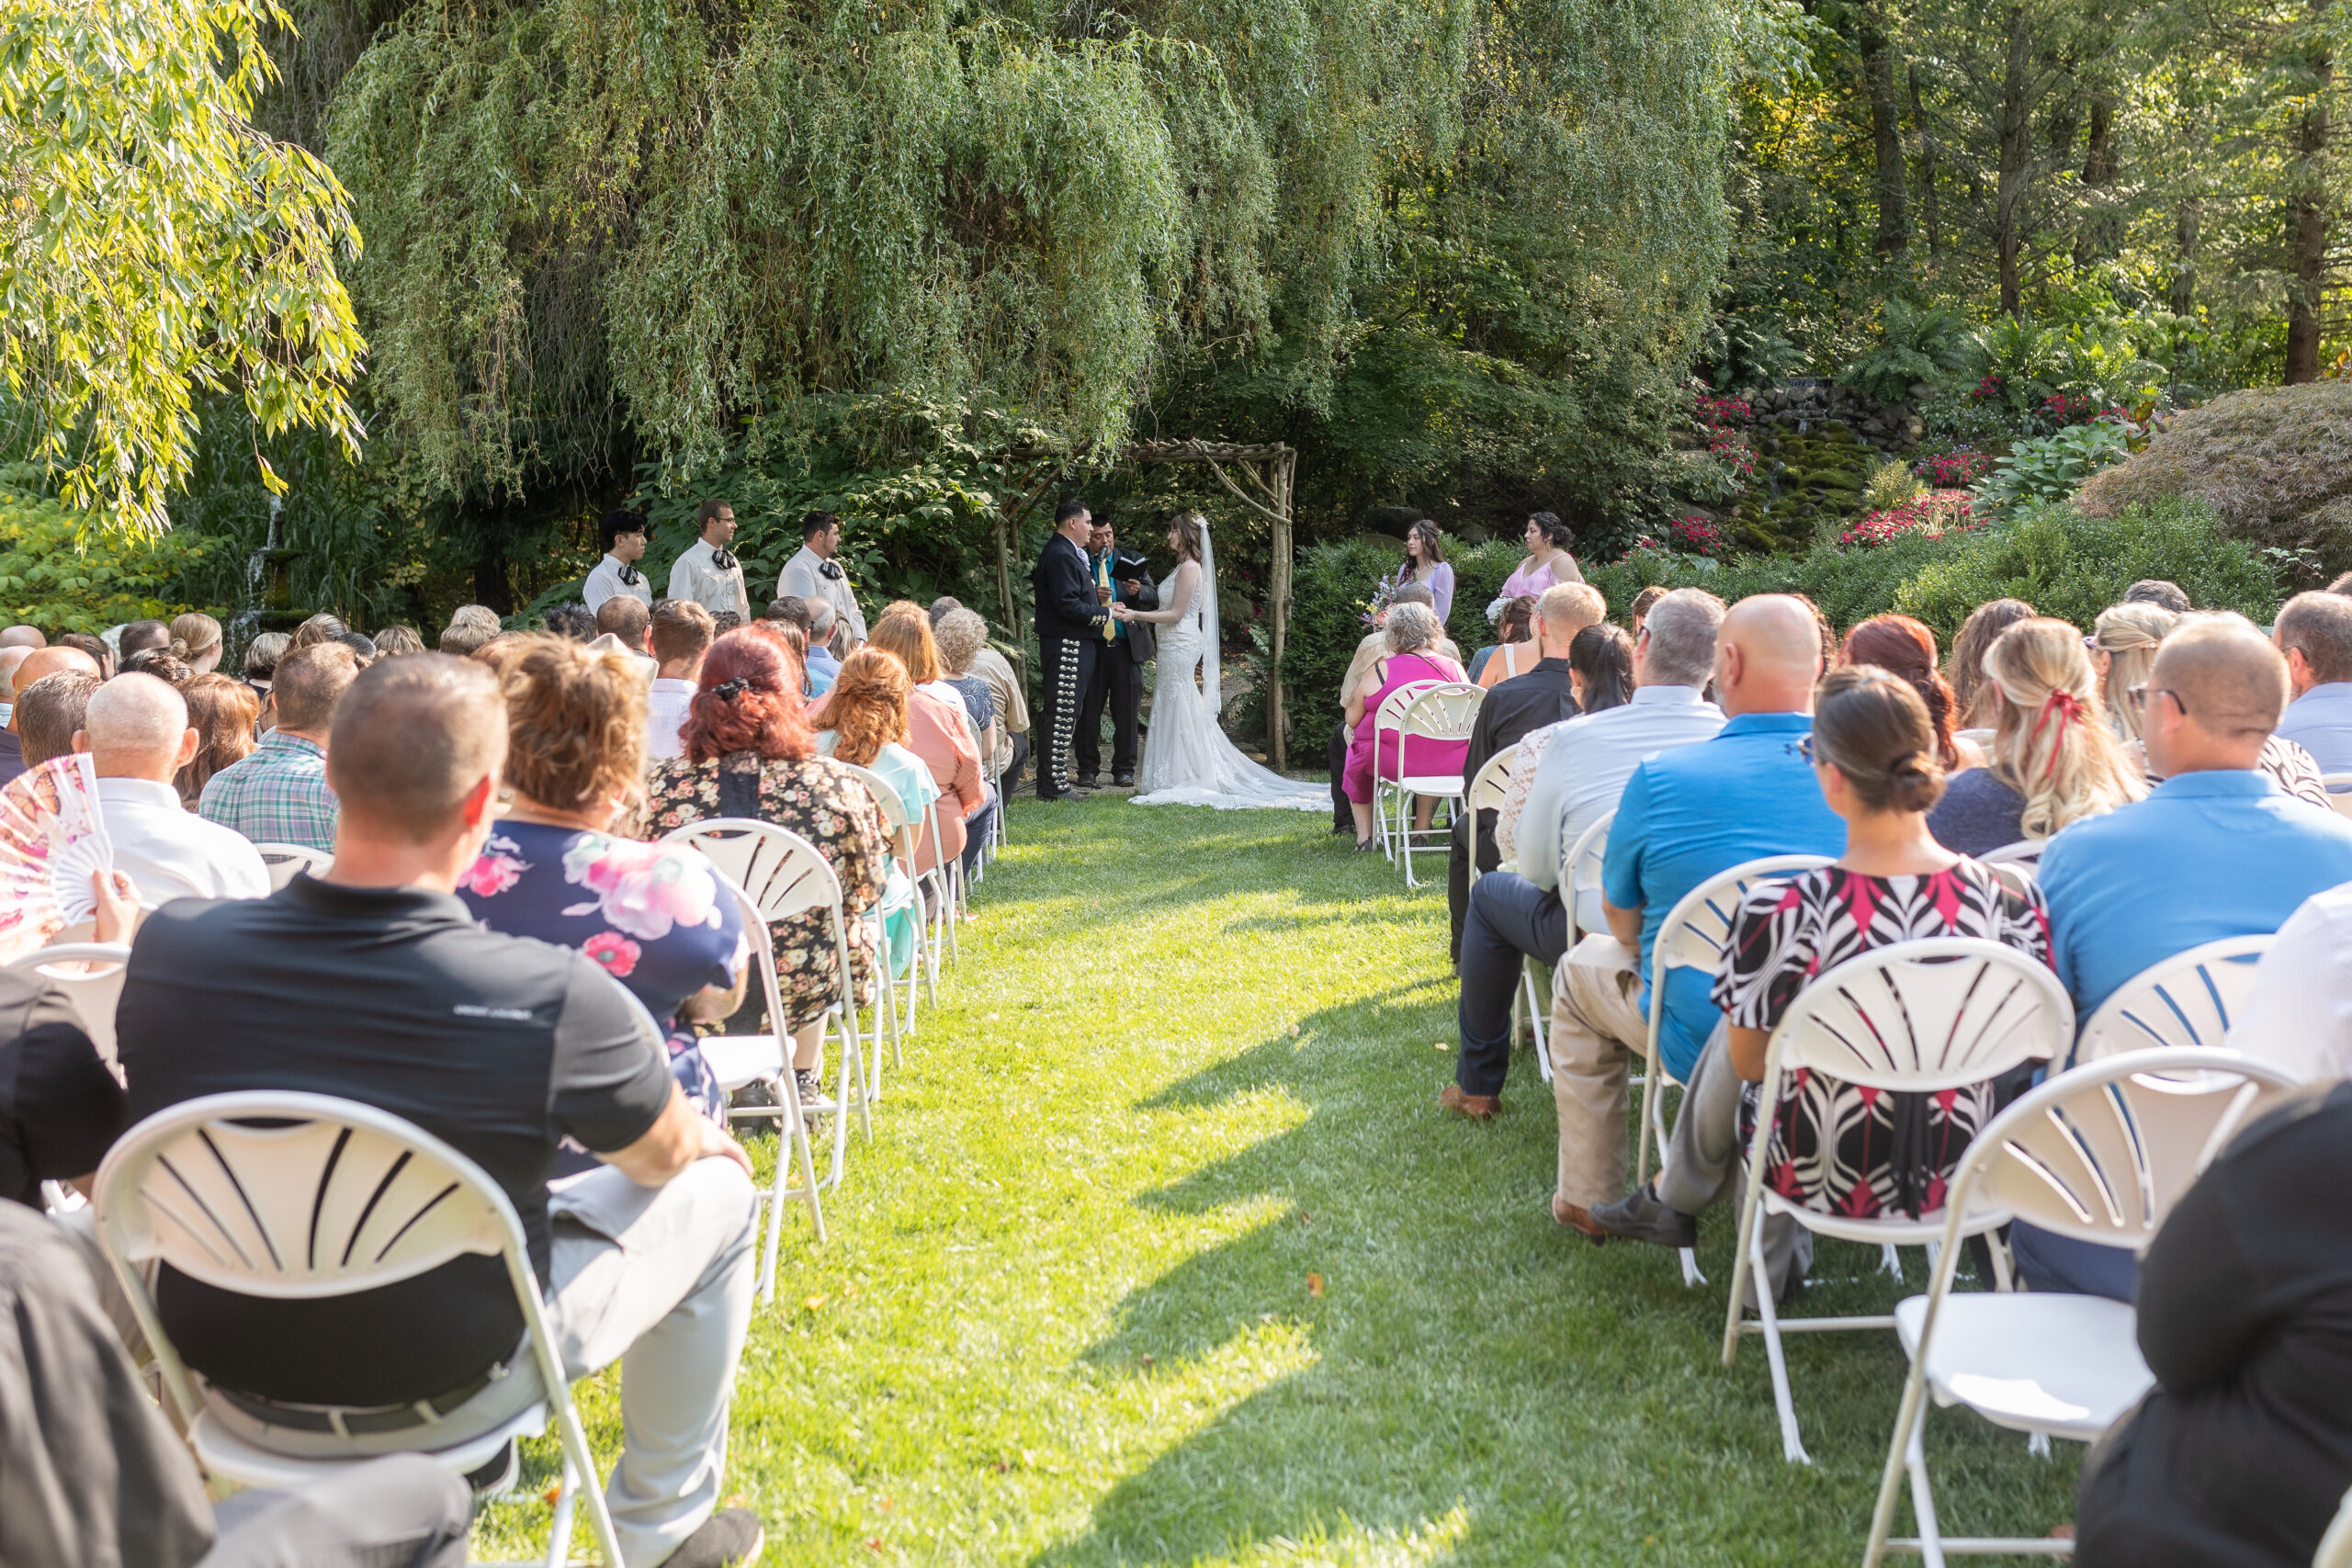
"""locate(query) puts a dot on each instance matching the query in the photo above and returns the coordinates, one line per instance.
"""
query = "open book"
(51, 838)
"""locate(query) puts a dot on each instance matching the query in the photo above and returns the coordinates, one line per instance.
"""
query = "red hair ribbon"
(2069, 710)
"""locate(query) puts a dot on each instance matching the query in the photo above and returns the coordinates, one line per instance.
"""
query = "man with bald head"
(137, 734)
(22, 636)
(2217, 850)
(1686, 814)
(32, 665)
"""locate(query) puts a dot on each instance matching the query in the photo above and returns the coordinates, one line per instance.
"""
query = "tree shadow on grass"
(1468, 1355)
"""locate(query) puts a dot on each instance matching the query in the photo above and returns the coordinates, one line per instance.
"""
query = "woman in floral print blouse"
(749, 751)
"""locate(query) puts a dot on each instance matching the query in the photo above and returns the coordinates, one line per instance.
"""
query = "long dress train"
(1187, 761)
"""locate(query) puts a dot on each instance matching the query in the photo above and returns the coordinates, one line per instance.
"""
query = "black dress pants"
(1511, 920)
(1118, 679)
(1068, 665)
(1457, 870)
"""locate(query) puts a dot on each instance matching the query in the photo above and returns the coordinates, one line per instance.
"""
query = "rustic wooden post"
(1277, 728)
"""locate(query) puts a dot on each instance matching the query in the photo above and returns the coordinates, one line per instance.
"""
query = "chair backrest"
(2339, 791)
(782, 871)
(903, 824)
(1936, 1013)
(1580, 871)
(1698, 927)
(284, 860)
(2336, 1546)
(1390, 714)
(90, 974)
(2190, 999)
(2100, 1153)
(2025, 851)
(1445, 711)
(1493, 780)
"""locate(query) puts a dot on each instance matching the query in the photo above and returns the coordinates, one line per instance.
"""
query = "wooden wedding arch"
(1259, 474)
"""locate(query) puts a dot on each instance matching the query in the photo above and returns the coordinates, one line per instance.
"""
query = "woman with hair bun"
(749, 753)
(1905, 648)
(195, 642)
(1838, 1149)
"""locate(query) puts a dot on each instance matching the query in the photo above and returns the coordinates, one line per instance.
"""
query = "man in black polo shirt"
(374, 984)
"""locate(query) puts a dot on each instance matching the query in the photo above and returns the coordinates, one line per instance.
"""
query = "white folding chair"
(2339, 791)
(1444, 713)
(737, 1061)
(1580, 885)
(90, 974)
(2190, 999)
(906, 831)
(2016, 864)
(785, 876)
(2336, 1546)
(1909, 1018)
(1487, 792)
(1385, 720)
(1693, 936)
(944, 879)
(2098, 1154)
(304, 1197)
(284, 860)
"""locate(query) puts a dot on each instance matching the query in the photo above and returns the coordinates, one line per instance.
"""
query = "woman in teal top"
(866, 719)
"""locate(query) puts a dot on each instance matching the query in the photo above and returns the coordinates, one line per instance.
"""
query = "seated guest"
(1971, 707)
(1012, 707)
(571, 621)
(61, 1106)
(142, 637)
(867, 720)
(502, 1046)
(2157, 590)
(1836, 1149)
(2217, 850)
(626, 619)
(320, 628)
(1576, 780)
(396, 640)
(680, 636)
(961, 634)
(1545, 695)
(137, 733)
(789, 609)
(463, 639)
(2054, 759)
(2299, 1013)
(1642, 604)
(2122, 648)
(1686, 816)
(749, 752)
(225, 715)
(51, 710)
(94, 648)
(940, 730)
(2314, 632)
(1374, 645)
(824, 667)
(1900, 646)
(262, 655)
(22, 635)
(652, 916)
(12, 754)
(2242, 1451)
(159, 663)
(280, 795)
(98, 1479)
(1515, 630)
(1412, 634)
(196, 641)
(1601, 676)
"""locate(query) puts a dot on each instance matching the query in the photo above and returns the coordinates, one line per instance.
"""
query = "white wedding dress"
(1187, 761)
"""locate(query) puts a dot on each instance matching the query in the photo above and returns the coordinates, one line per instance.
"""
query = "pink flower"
(642, 889)
(615, 952)
(492, 874)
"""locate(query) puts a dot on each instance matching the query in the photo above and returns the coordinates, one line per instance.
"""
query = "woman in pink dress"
(1412, 632)
(1548, 561)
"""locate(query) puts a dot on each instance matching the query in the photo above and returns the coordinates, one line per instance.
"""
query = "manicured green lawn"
(1164, 1254)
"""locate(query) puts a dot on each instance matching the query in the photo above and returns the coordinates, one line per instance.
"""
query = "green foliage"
(2052, 467)
(54, 578)
(1891, 484)
(1331, 589)
(2072, 566)
(1933, 344)
(157, 245)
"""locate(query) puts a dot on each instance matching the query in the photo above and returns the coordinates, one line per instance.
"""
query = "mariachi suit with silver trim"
(1070, 619)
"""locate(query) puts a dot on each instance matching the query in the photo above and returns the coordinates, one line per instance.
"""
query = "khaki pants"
(1597, 1028)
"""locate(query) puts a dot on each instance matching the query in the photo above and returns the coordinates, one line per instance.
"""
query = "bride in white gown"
(1187, 761)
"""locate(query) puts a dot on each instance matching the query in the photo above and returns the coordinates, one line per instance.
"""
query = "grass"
(1162, 1254)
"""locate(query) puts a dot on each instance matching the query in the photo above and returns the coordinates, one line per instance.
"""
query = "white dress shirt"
(665, 714)
(803, 578)
(696, 577)
(1584, 768)
(2300, 1015)
(605, 582)
(168, 851)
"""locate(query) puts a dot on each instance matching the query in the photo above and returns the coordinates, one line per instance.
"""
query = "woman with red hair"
(1905, 648)
(749, 751)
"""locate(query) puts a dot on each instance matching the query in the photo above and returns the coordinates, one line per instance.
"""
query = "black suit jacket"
(1516, 706)
(1143, 642)
(1063, 582)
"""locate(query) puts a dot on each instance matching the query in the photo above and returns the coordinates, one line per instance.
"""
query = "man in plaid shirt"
(279, 794)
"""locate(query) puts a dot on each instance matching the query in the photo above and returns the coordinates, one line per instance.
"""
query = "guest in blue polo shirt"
(1686, 814)
(2217, 850)
(2314, 632)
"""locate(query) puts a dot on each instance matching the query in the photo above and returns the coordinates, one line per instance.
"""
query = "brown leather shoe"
(1568, 1217)
(1477, 1107)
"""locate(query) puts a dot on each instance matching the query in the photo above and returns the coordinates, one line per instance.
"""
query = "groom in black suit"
(1127, 647)
(1070, 618)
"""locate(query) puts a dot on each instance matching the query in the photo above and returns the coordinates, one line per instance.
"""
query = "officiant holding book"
(1126, 647)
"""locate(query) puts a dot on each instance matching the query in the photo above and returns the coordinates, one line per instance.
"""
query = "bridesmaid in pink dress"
(1412, 631)
(1548, 561)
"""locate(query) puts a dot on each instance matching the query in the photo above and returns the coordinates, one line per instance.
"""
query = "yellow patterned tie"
(1102, 580)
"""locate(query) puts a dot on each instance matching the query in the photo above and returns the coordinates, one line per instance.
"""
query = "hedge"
(2062, 562)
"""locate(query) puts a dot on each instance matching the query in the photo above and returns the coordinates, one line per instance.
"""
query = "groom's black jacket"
(1063, 582)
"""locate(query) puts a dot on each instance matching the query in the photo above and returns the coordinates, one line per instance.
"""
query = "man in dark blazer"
(1128, 646)
(1070, 618)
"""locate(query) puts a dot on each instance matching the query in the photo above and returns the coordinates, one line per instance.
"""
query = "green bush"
(54, 578)
(1330, 589)
(1916, 343)
(2052, 467)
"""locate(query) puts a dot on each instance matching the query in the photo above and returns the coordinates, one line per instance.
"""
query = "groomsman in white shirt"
(622, 533)
(708, 572)
(813, 574)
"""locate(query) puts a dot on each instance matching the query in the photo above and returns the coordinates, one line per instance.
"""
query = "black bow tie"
(629, 576)
(723, 559)
(828, 571)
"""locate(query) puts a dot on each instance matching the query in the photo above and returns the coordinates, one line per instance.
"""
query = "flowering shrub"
(1692, 536)
(1956, 470)
(1933, 515)
(1725, 423)
(1988, 389)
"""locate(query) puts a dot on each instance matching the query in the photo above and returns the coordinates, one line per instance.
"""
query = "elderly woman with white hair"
(1411, 634)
